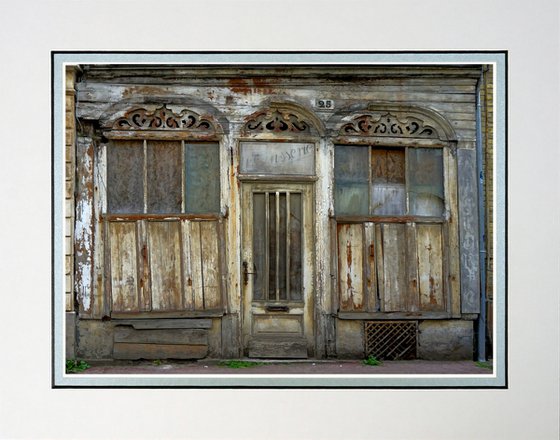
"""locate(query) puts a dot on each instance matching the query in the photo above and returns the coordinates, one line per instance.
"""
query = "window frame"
(407, 216)
(364, 128)
(160, 123)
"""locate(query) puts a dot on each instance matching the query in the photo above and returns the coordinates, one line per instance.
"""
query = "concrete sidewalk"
(258, 366)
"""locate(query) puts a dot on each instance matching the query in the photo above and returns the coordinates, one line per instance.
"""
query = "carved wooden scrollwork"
(388, 124)
(163, 119)
(276, 121)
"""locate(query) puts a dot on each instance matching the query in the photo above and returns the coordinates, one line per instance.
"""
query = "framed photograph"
(324, 219)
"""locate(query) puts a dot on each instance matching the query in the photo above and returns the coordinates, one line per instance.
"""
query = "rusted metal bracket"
(246, 272)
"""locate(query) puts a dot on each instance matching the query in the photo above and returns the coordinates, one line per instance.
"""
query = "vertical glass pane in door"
(259, 243)
(277, 246)
(295, 236)
(282, 256)
(272, 247)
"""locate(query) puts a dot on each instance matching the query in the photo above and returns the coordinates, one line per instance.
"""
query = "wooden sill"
(160, 217)
(393, 315)
(176, 314)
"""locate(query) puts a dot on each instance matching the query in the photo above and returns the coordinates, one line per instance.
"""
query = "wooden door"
(277, 270)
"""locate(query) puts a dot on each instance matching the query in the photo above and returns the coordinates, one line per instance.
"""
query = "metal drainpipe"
(481, 225)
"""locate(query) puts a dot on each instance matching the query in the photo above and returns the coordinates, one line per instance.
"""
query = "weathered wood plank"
(231, 341)
(450, 160)
(370, 269)
(455, 92)
(188, 294)
(196, 266)
(350, 266)
(101, 289)
(156, 314)
(379, 267)
(210, 265)
(293, 348)
(165, 265)
(392, 315)
(458, 116)
(123, 350)
(334, 280)
(394, 268)
(290, 324)
(223, 269)
(143, 268)
(124, 269)
(468, 230)
(412, 268)
(374, 74)
(94, 91)
(84, 226)
(161, 336)
(145, 324)
(430, 267)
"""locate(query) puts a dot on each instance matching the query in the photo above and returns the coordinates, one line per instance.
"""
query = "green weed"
(372, 361)
(239, 364)
(76, 366)
(484, 364)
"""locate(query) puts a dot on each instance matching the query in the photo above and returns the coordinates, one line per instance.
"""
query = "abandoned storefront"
(274, 212)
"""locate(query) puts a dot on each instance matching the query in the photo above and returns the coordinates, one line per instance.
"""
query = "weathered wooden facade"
(282, 212)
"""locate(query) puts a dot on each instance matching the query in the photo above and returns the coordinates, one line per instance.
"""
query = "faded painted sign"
(277, 158)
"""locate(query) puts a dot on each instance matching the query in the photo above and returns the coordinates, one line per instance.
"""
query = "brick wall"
(488, 133)
(70, 136)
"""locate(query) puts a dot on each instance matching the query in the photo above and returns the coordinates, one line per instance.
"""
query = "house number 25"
(324, 104)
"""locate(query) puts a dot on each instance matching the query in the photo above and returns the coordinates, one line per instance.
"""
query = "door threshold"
(277, 348)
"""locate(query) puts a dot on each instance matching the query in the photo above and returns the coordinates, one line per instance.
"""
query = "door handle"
(246, 272)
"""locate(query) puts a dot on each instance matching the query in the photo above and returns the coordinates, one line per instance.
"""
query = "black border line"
(54, 293)
(506, 225)
(505, 53)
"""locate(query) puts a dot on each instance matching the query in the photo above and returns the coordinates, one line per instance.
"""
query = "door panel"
(277, 269)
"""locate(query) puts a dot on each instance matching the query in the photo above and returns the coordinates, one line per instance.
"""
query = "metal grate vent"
(391, 340)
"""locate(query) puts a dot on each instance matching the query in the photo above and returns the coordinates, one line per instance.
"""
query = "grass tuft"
(76, 366)
(487, 365)
(239, 364)
(372, 361)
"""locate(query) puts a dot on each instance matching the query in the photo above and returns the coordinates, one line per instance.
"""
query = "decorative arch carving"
(163, 118)
(286, 119)
(412, 122)
(388, 124)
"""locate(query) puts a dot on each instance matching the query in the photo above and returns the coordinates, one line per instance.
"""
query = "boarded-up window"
(387, 262)
(388, 181)
(162, 177)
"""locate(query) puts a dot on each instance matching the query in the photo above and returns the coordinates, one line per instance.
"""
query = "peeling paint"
(84, 251)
